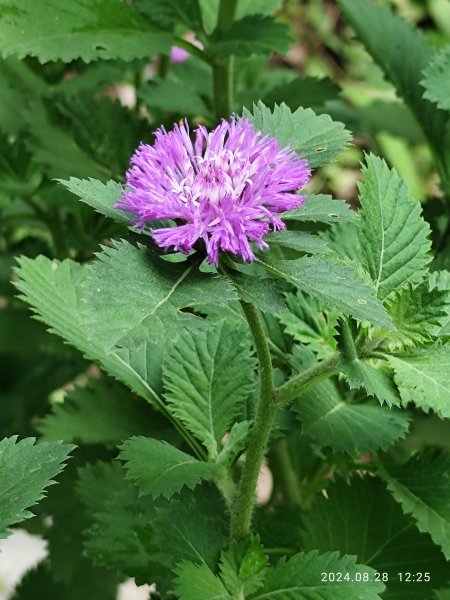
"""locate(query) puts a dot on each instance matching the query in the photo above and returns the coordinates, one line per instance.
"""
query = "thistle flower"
(226, 187)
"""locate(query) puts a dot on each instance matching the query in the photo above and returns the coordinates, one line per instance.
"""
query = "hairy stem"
(223, 67)
(300, 383)
(244, 501)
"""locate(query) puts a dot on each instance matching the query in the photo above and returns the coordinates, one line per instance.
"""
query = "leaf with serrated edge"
(100, 196)
(345, 427)
(207, 376)
(51, 30)
(316, 138)
(102, 412)
(298, 240)
(25, 471)
(128, 289)
(402, 52)
(121, 536)
(418, 313)
(198, 582)
(374, 380)
(53, 290)
(300, 578)
(160, 469)
(235, 443)
(361, 518)
(423, 378)
(437, 79)
(322, 209)
(254, 34)
(422, 487)
(393, 234)
(264, 292)
(332, 282)
(192, 526)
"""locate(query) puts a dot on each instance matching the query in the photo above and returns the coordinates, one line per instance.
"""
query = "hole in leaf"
(333, 215)
(320, 149)
(100, 48)
(361, 301)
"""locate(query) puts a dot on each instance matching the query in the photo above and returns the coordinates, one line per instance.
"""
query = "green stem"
(55, 224)
(223, 67)
(227, 12)
(347, 342)
(164, 66)
(242, 509)
(223, 87)
(300, 383)
(286, 475)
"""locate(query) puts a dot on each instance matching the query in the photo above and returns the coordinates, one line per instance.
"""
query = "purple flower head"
(224, 187)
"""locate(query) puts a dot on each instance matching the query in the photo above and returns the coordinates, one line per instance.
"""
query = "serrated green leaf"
(97, 482)
(437, 79)
(100, 196)
(207, 376)
(298, 240)
(235, 443)
(198, 582)
(345, 427)
(322, 209)
(309, 323)
(300, 578)
(103, 412)
(316, 138)
(193, 527)
(257, 7)
(40, 583)
(243, 567)
(307, 92)
(254, 34)
(402, 53)
(393, 234)
(441, 281)
(362, 519)
(121, 536)
(422, 487)
(50, 31)
(265, 293)
(360, 374)
(332, 282)
(418, 314)
(25, 471)
(128, 290)
(423, 379)
(376, 382)
(55, 149)
(210, 9)
(168, 13)
(350, 428)
(160, 469)
(53, 290)
(73, 136)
